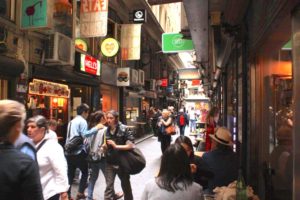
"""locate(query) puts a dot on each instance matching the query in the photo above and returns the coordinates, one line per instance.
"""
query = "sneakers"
(80, 196)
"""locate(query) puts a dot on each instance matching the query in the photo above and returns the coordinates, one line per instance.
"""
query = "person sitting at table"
(200, 171)
(211, 124)
(221, 159)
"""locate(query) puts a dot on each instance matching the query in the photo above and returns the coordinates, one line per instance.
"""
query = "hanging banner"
(123, 76)
(189, 74)
(131, 41)
(93, 18)
(46, 88)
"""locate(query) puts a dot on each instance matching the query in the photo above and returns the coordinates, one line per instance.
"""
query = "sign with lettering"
(34, 14)
(90, 65)
(110, 47)
(123, 76)
(131, 41)
(139, 16)
(93, 18)
(189, 74)
(174, 42)
(46, 88)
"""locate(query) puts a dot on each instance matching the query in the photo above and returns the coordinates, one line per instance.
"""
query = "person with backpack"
(182, 121)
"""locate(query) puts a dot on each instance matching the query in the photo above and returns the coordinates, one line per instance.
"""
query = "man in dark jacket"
(221, 159)
(182, 121)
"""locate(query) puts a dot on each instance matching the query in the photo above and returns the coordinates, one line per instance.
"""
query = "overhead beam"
(157, 2)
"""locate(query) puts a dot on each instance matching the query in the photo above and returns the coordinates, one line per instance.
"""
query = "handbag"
(74, 143)
(170, 130)
(132, 161)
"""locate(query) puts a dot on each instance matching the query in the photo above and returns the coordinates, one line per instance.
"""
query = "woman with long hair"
(211, 123)
(174, 180)
(200, 171)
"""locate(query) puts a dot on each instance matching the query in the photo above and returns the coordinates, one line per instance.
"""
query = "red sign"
(90, 65)
(196, 82)
(94, 5)
(164, 82)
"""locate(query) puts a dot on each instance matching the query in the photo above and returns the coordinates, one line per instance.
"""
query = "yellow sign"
(110, 47)
(81, 44)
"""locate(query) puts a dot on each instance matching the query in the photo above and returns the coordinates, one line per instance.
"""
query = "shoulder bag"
(170, 130)
(74, 143)
(132, 161)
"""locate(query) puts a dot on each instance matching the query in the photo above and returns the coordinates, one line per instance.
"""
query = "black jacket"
(19, 175)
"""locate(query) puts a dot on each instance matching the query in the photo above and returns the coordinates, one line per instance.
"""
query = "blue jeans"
(193, 125)
(94, 167)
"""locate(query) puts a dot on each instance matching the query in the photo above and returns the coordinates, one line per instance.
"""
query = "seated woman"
(174, 180)
(200, 170)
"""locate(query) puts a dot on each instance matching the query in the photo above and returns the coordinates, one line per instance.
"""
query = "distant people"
(77, 158)
(51, 160)
(281, 163)
(192, 117)
(163, 122)
(211, 123)
(200, 171)
(25, 145)
(174, 181)
(117, 139)
(52, 124)
(182, 120)
(221, 160)
(19, 174)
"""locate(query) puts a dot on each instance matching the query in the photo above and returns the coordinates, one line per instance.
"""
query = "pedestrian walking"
(117, 139)
(163, 122)
(96, 157)
(173, 181)
(78, 128)
(182, 121)
(51, 160)
(25, 145)
(192, 117)
(19, 174)
(52, 124)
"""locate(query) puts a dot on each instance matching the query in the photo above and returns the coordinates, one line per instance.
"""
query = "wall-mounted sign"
(90, 65)
(131, 41)
(46, 88)
(174, 42)
(93, 18)
(110, 47)
(188, 74)
(195, 82)
(139, 16)
(123, 76)
(35, 14)
(81, 44)
(164, 82)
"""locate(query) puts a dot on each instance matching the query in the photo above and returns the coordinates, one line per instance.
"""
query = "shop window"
(7, 9)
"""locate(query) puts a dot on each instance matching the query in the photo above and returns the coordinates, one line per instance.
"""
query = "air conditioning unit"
(134, 77)
(152, 84)
(141, 77)
(60, 50)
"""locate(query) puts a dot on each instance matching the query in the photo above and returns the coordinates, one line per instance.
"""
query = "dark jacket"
(203, 173)
(19, 175)
(223, 164)
(186, 120)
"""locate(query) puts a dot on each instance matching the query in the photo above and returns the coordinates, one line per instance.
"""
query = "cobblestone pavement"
(151, 149)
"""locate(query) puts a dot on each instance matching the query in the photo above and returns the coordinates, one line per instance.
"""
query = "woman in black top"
(200, 170)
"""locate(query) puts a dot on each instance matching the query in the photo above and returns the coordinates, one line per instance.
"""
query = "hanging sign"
(174, 42)
(131, 41)
(81, 44)
(164, 82)
(110, 47)
(35, 14)
(46, 88)
(188, 74)
(139, 16)
(93, 18)
(90, 65)
(195, 82)
(123, 76)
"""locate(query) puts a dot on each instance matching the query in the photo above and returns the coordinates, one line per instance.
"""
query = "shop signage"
(174, 42)
(110, 47)
(188, 74)
(139, 16)
(81, 44)
(123, 76)
(164, 82)
(90, 65)
(93, 18)
(195, 82)
(35, 14)
(131, 41)
(46, 88)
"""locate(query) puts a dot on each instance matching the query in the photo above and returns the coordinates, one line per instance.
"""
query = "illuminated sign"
(110, 47)
(174, 42)
(123, 76)
(90, 65)
(164, 82)
(46, 88)
(188, 74)
(131, 41)
(81, 44)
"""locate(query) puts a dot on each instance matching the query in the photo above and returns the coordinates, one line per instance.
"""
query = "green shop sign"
(173, 43)
(34, 14)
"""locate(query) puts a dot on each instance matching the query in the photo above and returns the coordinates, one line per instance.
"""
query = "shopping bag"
(132, 161)
(170, 130)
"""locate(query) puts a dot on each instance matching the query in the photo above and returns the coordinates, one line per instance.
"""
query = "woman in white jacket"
(51, 160)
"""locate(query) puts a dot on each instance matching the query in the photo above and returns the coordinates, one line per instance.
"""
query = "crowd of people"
(38, 167)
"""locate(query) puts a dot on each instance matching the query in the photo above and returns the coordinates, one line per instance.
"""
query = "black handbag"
(74, 143)
(132, 161)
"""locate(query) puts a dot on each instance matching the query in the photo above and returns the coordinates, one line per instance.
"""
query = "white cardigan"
(53, 168)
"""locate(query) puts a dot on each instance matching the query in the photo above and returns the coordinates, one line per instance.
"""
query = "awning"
(150, 94)
(11, 67)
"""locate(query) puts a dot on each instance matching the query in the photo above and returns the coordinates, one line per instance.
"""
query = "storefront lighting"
(54, 100)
